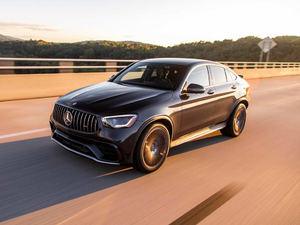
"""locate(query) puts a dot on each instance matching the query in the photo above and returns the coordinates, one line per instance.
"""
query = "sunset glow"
(157, 22)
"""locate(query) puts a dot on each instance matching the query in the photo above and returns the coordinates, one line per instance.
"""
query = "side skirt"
(197, 134)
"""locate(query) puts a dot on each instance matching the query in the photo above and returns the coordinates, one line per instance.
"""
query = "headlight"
(119, 121)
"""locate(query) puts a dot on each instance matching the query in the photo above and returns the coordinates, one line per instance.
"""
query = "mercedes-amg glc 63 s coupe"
(148, 107)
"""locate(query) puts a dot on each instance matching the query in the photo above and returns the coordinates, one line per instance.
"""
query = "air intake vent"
(80, 121)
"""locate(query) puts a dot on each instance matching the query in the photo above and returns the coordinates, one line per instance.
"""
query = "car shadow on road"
(37, 173)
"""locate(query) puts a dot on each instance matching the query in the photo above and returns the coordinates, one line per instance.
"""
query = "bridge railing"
(260, 65)
(40, 82)
(7, 65)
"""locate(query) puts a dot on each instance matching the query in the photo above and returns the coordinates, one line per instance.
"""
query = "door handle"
(210, 91)
(233, 87)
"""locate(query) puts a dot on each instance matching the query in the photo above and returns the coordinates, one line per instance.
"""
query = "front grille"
(81, 121)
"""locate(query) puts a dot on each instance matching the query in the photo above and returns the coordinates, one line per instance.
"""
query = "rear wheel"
(236, 123)
(152, 148)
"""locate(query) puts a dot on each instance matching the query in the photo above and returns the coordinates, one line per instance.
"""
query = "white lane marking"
(273, 89)
(23, 133)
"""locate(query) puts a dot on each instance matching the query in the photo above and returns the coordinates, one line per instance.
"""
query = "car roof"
(179, 61)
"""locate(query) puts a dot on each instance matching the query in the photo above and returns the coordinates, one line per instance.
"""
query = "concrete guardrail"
(28, 86)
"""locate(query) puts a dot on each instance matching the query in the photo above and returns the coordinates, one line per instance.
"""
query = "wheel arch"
(245, 102)
(241, 100)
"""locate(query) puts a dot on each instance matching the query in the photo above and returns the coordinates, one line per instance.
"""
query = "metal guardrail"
(64, 64)
(59, 67)
(111, 65)
(260, 65)
(67, 60)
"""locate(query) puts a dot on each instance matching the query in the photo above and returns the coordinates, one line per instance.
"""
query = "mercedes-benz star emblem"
(68, 118)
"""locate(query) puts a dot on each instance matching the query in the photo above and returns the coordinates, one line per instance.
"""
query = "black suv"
(147, 108)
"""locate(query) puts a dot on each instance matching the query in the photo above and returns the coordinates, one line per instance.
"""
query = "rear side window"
(218, 74)
(233, 76)
(199, 76)
(229, 76)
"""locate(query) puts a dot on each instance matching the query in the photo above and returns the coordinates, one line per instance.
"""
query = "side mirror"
(112, 76)
(241, 76)
(195, 88)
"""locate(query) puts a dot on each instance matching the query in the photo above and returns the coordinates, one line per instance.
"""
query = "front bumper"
(84, 149)
(107, 145)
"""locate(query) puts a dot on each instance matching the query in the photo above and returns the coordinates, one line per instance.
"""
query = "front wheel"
(236, 123)
(152, 148)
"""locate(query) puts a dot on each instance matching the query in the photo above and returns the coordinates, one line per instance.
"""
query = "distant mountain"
(126, 42)
(134, 42)
(9, 38)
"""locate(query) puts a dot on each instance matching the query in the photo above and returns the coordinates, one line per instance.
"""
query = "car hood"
(112, 98)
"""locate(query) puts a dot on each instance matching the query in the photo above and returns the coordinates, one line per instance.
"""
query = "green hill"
(9, 38)
(243, 49)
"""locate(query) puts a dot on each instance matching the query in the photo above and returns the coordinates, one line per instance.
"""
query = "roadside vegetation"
(243, 49)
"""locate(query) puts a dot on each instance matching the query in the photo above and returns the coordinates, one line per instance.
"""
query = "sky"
(160, 22)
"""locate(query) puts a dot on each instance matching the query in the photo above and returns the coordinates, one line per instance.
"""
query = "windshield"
(155, 75)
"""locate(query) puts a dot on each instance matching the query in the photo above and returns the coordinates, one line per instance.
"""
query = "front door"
(198, 109)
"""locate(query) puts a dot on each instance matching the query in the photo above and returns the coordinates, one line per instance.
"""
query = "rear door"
(198, 109)
(225, 90)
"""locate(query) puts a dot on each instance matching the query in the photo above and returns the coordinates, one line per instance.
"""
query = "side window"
(218, 74)
(199, 76)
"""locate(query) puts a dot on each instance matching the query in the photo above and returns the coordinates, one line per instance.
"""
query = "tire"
(152, 148)
(236, 122)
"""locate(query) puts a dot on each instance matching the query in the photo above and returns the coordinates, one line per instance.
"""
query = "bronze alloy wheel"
(153, 148)
(239, 120)
(236, 122)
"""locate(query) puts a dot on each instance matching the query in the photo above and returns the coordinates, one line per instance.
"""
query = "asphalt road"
(252, 179)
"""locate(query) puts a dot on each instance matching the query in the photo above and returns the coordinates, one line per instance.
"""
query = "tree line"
(243, 49)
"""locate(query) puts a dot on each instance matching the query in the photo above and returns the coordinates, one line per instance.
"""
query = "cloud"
(37, 27)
